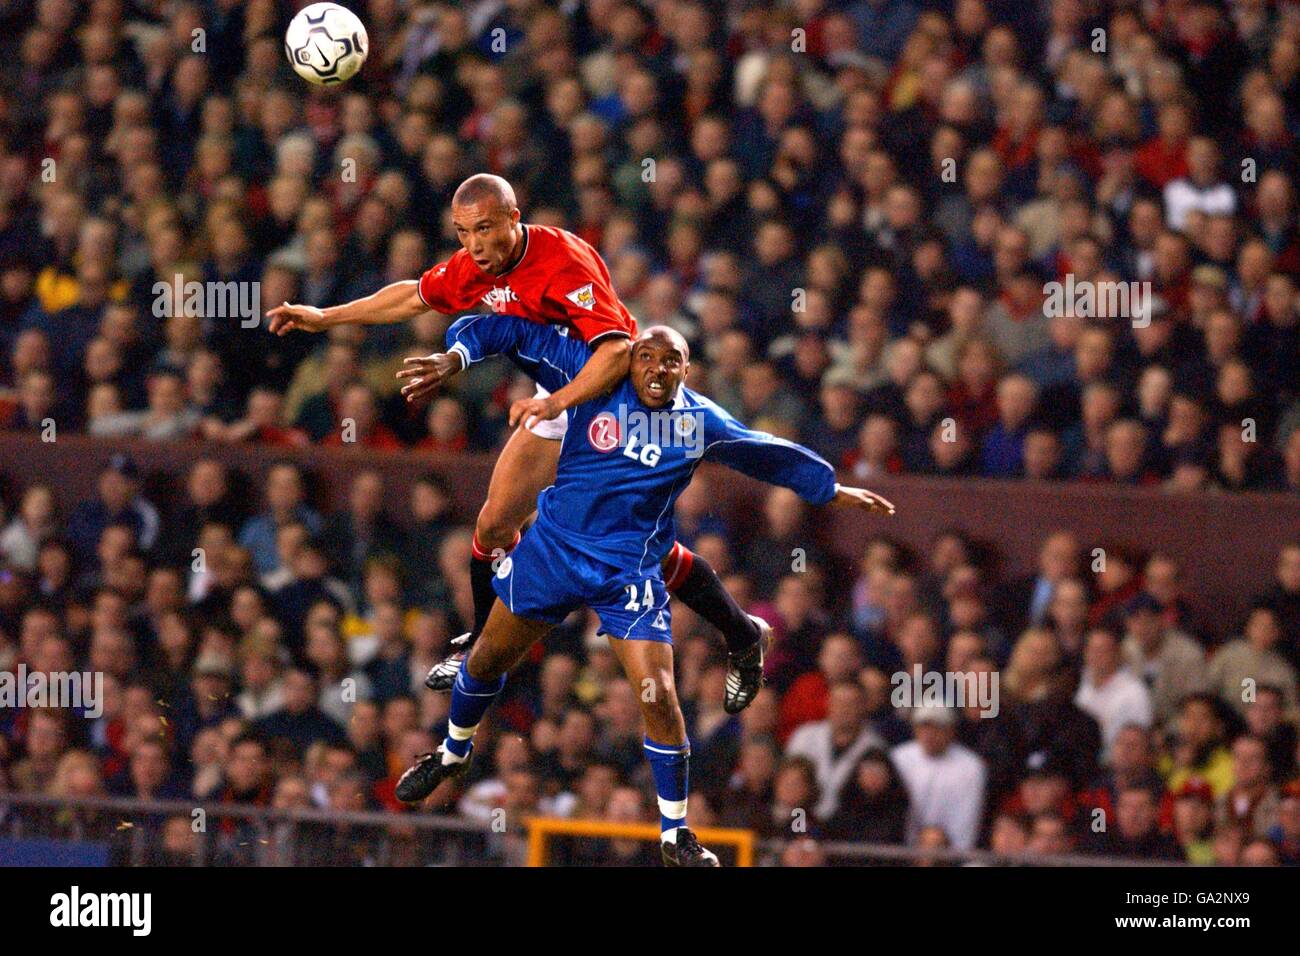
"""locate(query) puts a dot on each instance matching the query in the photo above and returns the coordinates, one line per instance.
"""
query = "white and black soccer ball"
(326, 44)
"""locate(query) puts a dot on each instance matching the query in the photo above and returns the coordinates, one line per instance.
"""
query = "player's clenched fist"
(427, 372)
(305, 318)
(861, 498)
(530, 411)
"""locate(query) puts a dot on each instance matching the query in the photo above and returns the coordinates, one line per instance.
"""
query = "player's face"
(659, 367)
(490, 233)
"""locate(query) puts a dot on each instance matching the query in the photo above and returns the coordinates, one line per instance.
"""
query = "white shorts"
(555, 428)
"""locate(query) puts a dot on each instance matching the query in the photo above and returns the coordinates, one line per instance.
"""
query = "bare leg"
(648, 666)
(526, 466)
(505, 640)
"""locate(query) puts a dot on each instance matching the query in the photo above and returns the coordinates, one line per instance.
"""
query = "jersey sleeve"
(767, 458)
(542, 351)
(584, 294)
(437, 288)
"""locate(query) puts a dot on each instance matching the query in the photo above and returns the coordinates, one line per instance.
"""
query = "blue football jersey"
(623, 464)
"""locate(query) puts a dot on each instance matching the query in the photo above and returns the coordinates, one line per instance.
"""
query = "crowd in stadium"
(854, 211)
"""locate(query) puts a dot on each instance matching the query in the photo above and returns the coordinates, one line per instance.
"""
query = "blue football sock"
(470, 699)
(669, 763)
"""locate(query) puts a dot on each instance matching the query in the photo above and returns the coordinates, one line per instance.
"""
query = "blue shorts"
(545, 579)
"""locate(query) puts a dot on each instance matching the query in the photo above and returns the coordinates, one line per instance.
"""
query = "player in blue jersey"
(601, 532)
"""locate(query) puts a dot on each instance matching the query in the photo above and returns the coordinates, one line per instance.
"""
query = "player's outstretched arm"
(554, 360)
(863, 499)
(395, 302)
(607, 366)
(781, 462)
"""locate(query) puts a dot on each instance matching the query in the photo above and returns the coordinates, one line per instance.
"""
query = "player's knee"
(496, 527)
(484, 663)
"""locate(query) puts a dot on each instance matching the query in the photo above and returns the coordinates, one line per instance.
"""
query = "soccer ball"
(326, 43)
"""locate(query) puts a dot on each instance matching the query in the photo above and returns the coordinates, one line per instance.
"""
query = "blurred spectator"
(1240, 666)
(285, 502)
(1171, 664)
(835, 744)
(1114, 697)
(945, 781)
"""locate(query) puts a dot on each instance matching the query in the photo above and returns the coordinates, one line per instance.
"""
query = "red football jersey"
(559, 280)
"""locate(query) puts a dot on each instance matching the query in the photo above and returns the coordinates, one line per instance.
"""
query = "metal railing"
(838, 853)
(541, 831)
(206, 833)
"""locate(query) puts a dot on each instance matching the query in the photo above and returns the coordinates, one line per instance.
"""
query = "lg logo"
(605, 434)
(648, 454)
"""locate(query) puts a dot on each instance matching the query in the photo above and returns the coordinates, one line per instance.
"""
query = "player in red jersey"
(550, 276)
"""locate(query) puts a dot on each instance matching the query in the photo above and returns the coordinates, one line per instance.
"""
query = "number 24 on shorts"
(646, 600)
